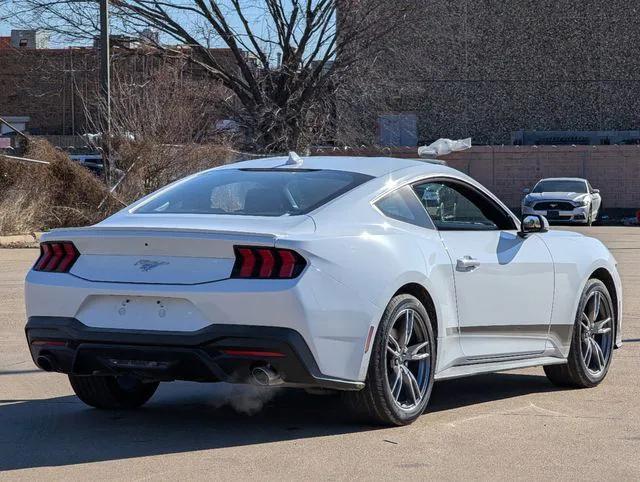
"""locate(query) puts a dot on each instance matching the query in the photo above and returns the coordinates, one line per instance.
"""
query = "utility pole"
(105, 88)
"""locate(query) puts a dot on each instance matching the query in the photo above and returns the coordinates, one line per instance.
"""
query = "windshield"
(561, 186)
(254, 192)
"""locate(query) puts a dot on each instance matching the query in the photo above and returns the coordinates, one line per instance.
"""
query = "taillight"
(258, 262)
(56, 257)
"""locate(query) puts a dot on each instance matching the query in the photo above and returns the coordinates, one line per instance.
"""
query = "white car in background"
(563, 199)
(372, 276)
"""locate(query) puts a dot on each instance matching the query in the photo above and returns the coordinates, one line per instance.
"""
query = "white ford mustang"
(373, 276)
(565, 199)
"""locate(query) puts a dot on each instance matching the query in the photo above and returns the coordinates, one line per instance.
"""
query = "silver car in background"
(563, 199)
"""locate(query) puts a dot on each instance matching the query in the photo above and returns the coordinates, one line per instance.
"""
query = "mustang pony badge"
(148, 265)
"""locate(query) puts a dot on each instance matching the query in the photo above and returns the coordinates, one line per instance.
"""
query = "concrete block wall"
(486, 68)
(615, 170)
(507, 170)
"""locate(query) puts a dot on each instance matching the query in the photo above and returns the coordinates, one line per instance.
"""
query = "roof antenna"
(294, 160)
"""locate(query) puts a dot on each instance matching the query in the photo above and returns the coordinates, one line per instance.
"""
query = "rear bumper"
(75, 348)
(332, 318)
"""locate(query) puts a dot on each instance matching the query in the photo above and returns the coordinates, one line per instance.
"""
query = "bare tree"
(161, 103)
(286, 60)
(161, 124)
(4, 10)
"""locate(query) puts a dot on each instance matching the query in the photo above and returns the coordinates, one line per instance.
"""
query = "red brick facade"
(48, 86)
(57, 87)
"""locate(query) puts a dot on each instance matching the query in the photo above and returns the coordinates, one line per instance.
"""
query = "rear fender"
(375, 264)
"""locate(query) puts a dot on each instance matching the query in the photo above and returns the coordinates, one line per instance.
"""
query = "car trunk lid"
(161, 249)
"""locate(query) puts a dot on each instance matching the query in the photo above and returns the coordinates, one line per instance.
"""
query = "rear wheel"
(112, 392)
(400, 376)
(592, 342)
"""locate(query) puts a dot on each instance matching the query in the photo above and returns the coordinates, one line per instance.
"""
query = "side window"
(403, 205)
(454, 206)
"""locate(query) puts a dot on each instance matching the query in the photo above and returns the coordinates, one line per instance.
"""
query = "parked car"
(325, 272)
(563, 199)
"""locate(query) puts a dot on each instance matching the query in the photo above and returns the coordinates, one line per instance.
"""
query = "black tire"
(575, 373)
(375, 402)
(106, 392)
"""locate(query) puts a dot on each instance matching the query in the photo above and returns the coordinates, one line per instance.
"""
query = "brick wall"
(507, 170)
(615, 170)
(48, 86)
(57, 87)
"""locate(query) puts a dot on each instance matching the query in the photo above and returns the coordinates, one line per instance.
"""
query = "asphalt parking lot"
(506, 426)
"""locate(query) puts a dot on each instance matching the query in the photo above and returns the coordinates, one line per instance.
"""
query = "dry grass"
(41, 197)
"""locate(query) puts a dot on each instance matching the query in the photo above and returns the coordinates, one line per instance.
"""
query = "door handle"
(467, 263)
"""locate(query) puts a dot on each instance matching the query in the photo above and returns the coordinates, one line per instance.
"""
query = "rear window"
(254, 192)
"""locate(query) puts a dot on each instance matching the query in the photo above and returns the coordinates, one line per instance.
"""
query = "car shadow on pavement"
(451, 394)
(186, 417)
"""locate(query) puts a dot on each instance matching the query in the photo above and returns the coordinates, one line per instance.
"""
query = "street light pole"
(105, 87)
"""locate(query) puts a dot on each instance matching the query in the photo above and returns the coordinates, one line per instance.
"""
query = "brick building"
(490, 68)
(57, 89)
(48, 86)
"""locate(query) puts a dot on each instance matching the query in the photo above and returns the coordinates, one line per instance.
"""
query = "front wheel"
(109, 392)
(592, 341)
(400, 376)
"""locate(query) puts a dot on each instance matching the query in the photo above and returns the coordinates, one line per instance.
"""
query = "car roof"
(371, 166)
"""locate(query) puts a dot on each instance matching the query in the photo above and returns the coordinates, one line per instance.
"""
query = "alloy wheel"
(407, 359)
(596, 327)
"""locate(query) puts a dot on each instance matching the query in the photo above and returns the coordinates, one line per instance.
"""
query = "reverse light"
(56, 257)
(258, 262)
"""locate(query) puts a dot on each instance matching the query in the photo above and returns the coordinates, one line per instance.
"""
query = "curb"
(20, 240)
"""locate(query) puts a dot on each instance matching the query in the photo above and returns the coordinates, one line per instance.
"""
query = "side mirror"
(533, 223)
(595, 191)
(526, 191)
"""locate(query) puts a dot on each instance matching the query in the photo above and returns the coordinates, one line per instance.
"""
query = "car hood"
(556, 196)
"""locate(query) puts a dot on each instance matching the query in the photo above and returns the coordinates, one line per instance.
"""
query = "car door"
(504, 283)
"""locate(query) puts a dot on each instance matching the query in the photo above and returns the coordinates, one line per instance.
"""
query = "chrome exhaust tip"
(265, 376)
(46, 363)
